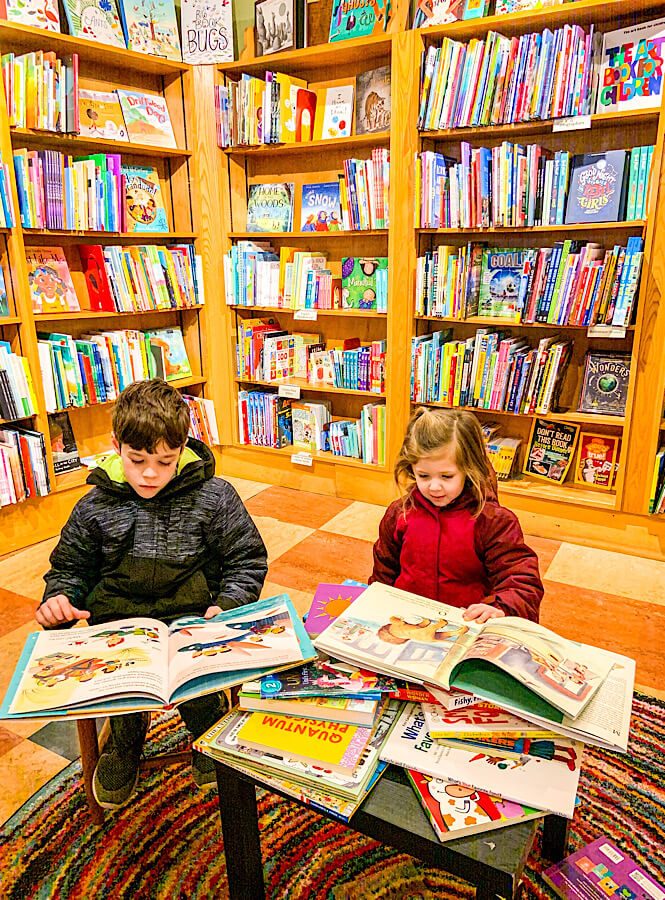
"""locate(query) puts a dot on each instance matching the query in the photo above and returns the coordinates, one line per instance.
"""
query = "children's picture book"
(455, 810)
(38, 13)
(96, 20)
(597, 191)
(532, 669)
(100, 115)
(146, 118)
(207, 31)
(150, 26)
(329, 601)
(4, 299)
(352, 20)
(170, 343)
(144, 206)
(320, 208)
(630, 71)
(323, 678)
(605, 383)
(345, 710)
(596, 458)
(63, 443)
(546, 784)
(142, 663)
(334, 112)
(373, 101)
(359, 280)
(500, 278)
(437, 12)
(278, 25)
(598, 870)
(481, 720)
(550, 450)
(270, 207)
(51, 286)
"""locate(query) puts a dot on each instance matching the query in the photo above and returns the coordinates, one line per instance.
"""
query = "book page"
(67, 669)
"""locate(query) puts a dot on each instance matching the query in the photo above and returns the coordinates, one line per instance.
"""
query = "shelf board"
(79, 144)
(88, 314)
(541, 126)
(18, 419)
(306, 386)
(25, 38)
(568, 416)
(351, 143)
(324, 456)
(35, 235)
(302, 235)
(562, 493)
(175, 382)
(514, 229)
(69, 480)
(318, 61)
(10, 320)
(491, 320)
(360, 313)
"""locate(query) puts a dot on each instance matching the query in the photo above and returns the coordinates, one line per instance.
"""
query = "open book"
(512, 662)
(142, 664)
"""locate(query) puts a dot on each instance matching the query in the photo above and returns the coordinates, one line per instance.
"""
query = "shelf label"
(572, 123)
(305, 314)
(606, 331)
(292, 391)
(302, 458)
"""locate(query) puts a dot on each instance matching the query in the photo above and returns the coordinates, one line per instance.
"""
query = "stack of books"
(17, 393)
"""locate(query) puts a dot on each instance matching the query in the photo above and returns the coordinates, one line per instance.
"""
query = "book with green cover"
(171, 344)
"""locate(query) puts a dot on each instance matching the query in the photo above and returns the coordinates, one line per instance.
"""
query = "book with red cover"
(305, 111)
(99, 289)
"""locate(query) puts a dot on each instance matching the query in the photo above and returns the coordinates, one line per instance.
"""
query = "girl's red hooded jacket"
(445, 554)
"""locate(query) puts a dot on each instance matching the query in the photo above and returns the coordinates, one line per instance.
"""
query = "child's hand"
(212, 611)
(481, 612)
(57, 610)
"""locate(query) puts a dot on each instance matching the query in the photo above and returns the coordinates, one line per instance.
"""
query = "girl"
(448, 538)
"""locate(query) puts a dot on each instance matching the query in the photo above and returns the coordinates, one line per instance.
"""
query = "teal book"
(357, 19)
(172, 353)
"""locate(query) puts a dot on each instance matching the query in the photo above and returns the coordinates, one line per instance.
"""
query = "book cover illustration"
(144, 206)
(63, 443)
(373, 101)
(481, 720)
(605, 383)
(4, 299)
(600, 870)
(334, 112)
(359, 281)
(631, 68)
(550, 450)
(455, 810)
(357, 18)
(207, 31)
(322, 678)
(51, 286)
(597, 455)
(597, 187)
(100, 115)
(320, 208)
(500, 278)
(270, 207)
(170, 342)
(278, 25)
(97, 20)
(146, 118)
(330, 600)
(438, 12)
(150, 26)
(38, 13)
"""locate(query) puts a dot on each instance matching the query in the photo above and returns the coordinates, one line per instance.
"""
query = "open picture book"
(143, 664)
(517, 664)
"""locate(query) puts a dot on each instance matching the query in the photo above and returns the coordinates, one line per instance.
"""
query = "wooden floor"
(608, 599)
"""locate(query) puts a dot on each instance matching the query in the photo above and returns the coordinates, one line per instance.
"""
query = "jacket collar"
(464, 501)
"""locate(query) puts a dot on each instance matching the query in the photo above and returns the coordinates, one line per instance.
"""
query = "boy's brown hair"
(149, 412)
(429, 432)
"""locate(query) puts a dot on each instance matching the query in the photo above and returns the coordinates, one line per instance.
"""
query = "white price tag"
(305, 314)
(292, 391)
(302, 458)
(606, 331)
(572, 123)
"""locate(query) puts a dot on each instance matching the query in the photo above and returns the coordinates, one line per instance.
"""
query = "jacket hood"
(195, 466)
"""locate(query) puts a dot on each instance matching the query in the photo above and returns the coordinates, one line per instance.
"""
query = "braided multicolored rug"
(166, 843)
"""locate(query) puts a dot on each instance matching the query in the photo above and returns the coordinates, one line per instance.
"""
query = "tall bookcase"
(104, 68)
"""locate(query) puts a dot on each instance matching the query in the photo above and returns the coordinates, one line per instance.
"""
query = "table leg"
(486, 891)
(555, 837)
(240, 830)
(89, 757)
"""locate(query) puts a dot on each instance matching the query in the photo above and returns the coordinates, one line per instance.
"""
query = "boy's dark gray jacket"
(192, 545)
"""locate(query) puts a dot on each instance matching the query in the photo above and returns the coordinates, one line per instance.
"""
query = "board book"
(373, 101)
(143, 664)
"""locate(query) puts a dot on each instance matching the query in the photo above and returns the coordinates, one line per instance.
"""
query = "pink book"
(330, 600)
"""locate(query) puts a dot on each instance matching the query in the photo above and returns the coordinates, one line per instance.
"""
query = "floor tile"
(359, 520)
(59, 737)
(302, 600)
(15, 610)
(298, 507)
(322, 557)
(11, 645)
(613, 573)
(279, 536)
(24, 572)
(546, 550)
(245, 488)
(7, 740)
(31, 767)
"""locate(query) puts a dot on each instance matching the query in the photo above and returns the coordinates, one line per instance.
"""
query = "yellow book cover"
(288, 96)
(336, 746)
(101, 116)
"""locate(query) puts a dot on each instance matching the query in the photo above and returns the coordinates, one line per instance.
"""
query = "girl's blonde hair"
(431, 430)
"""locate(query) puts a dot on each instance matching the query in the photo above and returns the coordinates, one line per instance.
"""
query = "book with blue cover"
(500, 281)
(359, 19)
(320, 208)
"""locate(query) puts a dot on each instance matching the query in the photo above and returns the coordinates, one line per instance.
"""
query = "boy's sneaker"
(203, 769)
(115, 778)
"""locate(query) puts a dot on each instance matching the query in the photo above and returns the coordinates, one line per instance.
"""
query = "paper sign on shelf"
(305, 314)
(292, 391)
(572, 123)
(606, 331)
(302, 458)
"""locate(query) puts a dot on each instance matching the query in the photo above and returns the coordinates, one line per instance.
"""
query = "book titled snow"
(320, 208)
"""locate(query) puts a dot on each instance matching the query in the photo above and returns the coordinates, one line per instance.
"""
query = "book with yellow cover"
(101, 116)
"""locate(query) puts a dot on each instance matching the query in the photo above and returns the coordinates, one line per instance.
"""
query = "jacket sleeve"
(388, 547)
(76, 560)
(243, 558)
(511, 566)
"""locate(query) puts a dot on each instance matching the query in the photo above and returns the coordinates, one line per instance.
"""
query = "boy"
(157, 536)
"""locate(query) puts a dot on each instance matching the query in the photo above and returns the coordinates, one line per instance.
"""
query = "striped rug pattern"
(166, 843)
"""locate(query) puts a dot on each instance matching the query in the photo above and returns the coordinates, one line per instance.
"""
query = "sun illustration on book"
(332, 606)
